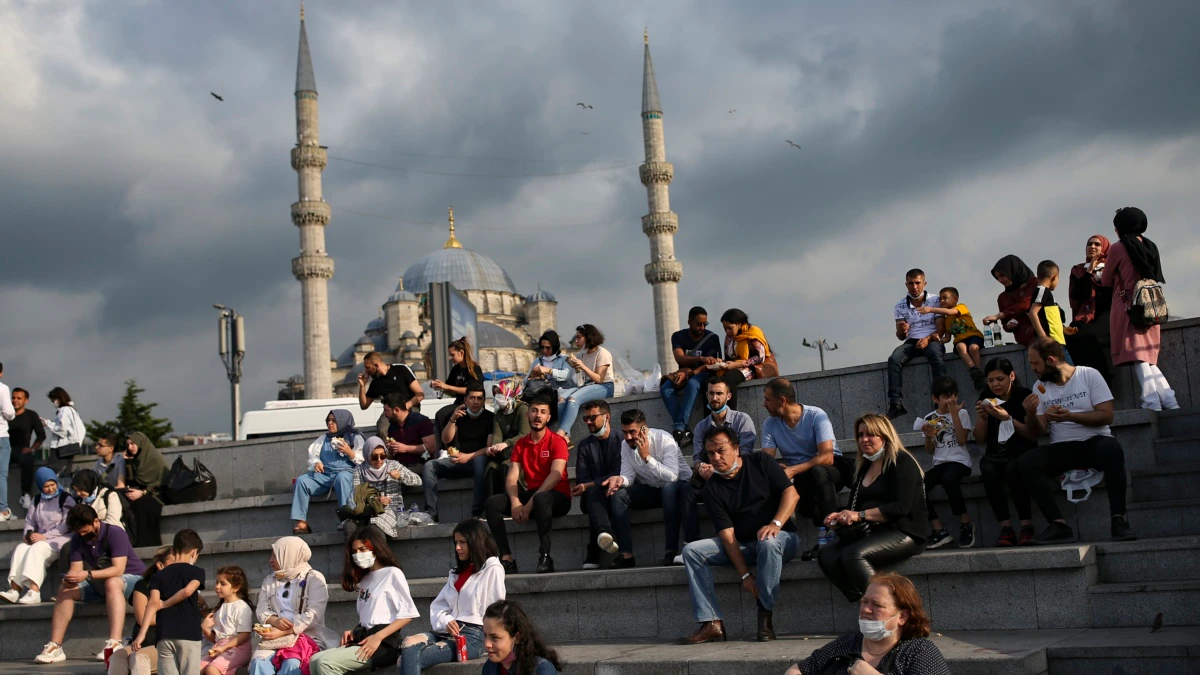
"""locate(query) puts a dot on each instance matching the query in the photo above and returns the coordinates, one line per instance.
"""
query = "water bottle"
(822, 536)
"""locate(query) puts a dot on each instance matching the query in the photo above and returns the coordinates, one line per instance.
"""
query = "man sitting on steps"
(1076, 406)
(721, 415)
(694, 348)
(597, 458)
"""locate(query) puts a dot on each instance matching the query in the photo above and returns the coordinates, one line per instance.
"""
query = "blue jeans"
(264, 667)
(5, 455)
(769, 554)
(678, 502)
(437, 648)
(444, 468)
(569, 401)
(934, 351)
(680, 402)
(313, 484)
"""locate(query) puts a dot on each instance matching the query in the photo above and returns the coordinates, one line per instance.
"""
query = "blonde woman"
(887, 521)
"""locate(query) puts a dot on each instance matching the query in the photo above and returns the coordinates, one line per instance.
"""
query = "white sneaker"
(115, 644)
(677, 560)
(31, 597)
(606, 543)
(26, 502)
(10, 595)
(7, 515)
(51, 653)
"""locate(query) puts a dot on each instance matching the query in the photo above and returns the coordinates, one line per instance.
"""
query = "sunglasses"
(592, 418)
(702, 324)
(378, 457)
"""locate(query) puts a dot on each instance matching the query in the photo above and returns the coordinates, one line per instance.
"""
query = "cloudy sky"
(938, 135)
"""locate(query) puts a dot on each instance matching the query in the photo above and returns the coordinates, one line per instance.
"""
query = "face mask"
(365, 559)
(874, 630)
(736, 464)
(502, 404)
(474, 414)
(603, 430)
(718, 411)
(914, 297)
(90, 498)
(52, 495)
(875, 457)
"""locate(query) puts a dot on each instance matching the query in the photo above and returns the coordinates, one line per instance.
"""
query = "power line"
(475, 158)
(480, 175)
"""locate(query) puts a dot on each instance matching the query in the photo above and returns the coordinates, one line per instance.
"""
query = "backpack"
(128, 522)
(1149, 305)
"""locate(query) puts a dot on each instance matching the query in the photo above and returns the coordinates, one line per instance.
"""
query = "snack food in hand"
(994, 402)
(1041, 387)
(452, 451)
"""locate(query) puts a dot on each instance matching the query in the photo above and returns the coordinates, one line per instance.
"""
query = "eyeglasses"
(379, 457)
(702, 324)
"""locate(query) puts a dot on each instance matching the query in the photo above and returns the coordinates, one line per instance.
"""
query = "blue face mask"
(90, 498)
(721, 410)
(474, 414)
(52, 495)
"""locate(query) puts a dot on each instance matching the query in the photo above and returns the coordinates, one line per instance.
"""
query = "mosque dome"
(490, 335)
(464, 268)
(376, 324)
(541, 296)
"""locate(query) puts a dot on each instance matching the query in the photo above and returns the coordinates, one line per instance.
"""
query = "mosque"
(508, 322)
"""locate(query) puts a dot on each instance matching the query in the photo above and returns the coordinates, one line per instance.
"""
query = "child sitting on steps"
(946, 431)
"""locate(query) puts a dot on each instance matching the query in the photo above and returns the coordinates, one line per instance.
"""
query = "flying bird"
(732, 111)
(585, 133)
(793, 145)
(584, 106)
(1157, 623)
(216, 96)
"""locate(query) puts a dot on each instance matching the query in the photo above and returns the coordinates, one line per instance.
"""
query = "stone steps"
(1177, 450)
(1135, 603)
(1184, 422)
(1165, 559)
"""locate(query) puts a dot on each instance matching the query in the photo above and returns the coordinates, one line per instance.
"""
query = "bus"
(284, 418)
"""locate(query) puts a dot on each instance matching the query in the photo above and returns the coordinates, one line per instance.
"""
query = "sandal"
(302, 528)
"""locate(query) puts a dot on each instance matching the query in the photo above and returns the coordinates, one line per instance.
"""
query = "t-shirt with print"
(708, 344)
(919, 325)
(415, 428)
(233, 618)
(749, 500)
(473, 432)
(963, 325)
(398, 379)
(535, 460)
(945, 442)
(97, 553)
(1050, 315)
(180, 621)
(460, 377)
(799, 445)
(383, 597)
(594, 360)
(1082, 393)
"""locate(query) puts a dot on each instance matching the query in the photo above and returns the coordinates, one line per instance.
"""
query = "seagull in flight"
(793, 145)
(732, 111)
(217, 96)
(584, 106)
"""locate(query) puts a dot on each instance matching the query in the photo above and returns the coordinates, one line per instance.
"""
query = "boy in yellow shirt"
(968, 340)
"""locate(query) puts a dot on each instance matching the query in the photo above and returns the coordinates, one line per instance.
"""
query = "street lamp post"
(232, 349)
(822, 346)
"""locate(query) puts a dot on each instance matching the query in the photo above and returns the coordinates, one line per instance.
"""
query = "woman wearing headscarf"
(89, 489)
(291, 612)
(377, 495)
(1090, 305)
(746, 349)
(1019, 284)
(1130, 260)
(331, 462)
(145, 471)
(45, 535)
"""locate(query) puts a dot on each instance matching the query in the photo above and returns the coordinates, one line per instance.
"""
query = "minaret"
(664, 272)
(313, 269)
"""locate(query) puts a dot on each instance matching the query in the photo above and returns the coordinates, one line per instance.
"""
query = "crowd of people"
(517, 456)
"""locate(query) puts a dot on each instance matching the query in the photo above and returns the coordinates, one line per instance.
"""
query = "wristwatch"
(776, 523)
(745, 576)
(862, 515)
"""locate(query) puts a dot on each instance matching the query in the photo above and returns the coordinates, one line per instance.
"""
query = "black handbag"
(389, 650)
(849, 534)
(188, 486)
(69, 450)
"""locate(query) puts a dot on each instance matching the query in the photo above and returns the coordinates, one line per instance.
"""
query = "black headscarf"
(1015, 269)
(1131, 224)
(86, 480)
(551, 337)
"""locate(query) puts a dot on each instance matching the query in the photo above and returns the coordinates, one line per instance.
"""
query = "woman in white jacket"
(67, 426)
(476, 581)
(292, 602)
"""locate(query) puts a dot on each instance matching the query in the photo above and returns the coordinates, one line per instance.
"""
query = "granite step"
(1136, 603)
(1177, 423)
(1127, 651)
(1165, 483)
(1164, 559)
(1177, 450)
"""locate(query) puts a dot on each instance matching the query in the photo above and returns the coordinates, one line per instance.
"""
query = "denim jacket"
(562, 375)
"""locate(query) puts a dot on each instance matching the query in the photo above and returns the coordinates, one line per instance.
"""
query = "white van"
(282, 418)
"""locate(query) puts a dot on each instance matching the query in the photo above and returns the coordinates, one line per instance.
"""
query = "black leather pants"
(850, 566)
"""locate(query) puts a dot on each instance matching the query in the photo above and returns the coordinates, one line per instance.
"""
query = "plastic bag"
(653, 379)
(188, 486)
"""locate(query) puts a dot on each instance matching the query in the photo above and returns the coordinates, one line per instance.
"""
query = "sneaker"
(114, 644)
(622, 563)
(510, 566)
(669, 559)
(1121, 530)
(51, 653)
(7, 515)
(606, 543)
(31, 598)
(978, 380)
(966, 535)
(1055, 533)
(545, 564)
(688, 437)
(896, 409)
(26, 502)
(938, 539)
(591, 560)
(10, 595)
(432, 514)
(1026, 538)
(591, 565)
(1008, 537)
(677, 560)
(678, 436)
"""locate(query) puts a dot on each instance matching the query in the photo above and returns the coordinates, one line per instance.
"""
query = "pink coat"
(1129, 343)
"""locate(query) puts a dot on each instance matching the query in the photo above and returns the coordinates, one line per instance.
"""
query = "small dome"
(365, 341)
(493, 336)
(408, 334)
(541, 296)
(376, 324)
(351, 377)
(402, 296)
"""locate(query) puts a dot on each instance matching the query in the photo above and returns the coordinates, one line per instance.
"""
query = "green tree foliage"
(133, 415)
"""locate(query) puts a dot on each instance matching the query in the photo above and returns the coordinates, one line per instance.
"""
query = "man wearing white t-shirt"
(1075, 405)
(919, 334)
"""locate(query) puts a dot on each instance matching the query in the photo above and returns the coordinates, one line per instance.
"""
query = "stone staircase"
(1083, 607)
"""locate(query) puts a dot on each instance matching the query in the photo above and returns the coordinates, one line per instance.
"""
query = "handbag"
(288, 640)
(188, 486)
(68, 450)
(1149, 305)
(389, 650)
(849, 534)
(768, 368)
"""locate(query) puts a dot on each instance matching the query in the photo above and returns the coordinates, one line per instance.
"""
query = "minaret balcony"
(662, 271)
(312, 267)
(656, 172)
(309, 157)
(662, 222)
(310, 213)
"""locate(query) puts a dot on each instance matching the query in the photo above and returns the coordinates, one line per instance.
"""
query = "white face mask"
(736, 463)
(364, 559)
(875, 457)
(875, 630)
(603, 430)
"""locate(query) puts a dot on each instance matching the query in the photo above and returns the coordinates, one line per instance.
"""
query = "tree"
(133, 415)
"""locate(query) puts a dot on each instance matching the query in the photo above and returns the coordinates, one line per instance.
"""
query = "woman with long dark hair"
(1019, 284)
(1000, 428)
(1091, 302)
(66, 429)
(385, 606)
(463, 371)
(145, 471)
(747, 353)
(476, 581)
(1131, 260)
(594, 365)
(513, 644)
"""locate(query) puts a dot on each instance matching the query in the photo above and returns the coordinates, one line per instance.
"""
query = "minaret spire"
(312, 268)
(664, 272)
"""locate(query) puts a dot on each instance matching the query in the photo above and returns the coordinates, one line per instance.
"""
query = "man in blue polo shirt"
(919, 335)
(801, 438)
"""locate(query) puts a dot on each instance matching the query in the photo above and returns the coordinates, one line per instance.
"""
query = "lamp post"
(231, 336)
(822, 346)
